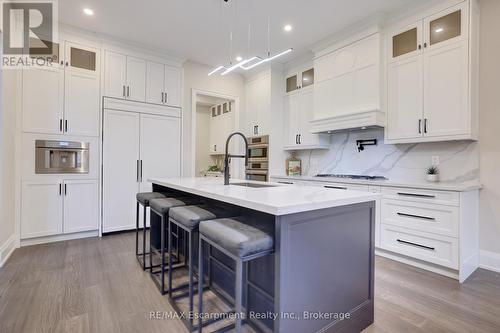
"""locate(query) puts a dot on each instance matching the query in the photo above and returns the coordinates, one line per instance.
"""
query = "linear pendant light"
(252, 62)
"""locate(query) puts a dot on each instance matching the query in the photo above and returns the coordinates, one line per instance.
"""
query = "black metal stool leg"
(238, 292)
(200, 284)
(137, 229)
(162, 254)
(170, 263)
(191, 264)
(144, 240)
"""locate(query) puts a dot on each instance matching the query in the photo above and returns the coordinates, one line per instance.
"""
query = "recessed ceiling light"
(287, 28)
(239, 58)
(88, 11)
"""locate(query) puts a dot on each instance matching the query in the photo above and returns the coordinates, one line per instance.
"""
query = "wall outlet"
(435, 160)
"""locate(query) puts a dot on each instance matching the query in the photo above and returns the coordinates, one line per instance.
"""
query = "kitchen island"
(320, 277)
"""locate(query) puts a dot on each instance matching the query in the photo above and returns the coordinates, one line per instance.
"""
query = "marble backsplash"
(459, 160)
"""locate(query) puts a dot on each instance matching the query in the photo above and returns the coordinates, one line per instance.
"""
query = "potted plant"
(432, 174)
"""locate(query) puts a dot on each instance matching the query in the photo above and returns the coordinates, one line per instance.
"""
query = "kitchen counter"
(278, 200)
(443, 186)
(323, 260)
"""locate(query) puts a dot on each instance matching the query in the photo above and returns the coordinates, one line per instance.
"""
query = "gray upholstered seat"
(145, 197)
(190, 216)
(163, 205)
(240, 235)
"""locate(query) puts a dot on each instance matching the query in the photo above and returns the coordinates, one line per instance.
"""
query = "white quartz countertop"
(443, 186)
(279, 200)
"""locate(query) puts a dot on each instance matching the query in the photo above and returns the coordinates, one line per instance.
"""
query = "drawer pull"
(288, 183)
(335, 187)
(417, 216)
(415, 244)
(416, 195)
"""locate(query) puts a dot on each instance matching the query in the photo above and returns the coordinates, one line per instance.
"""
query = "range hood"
(363, 119)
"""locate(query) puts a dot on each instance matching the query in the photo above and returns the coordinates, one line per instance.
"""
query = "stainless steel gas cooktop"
(362, 177)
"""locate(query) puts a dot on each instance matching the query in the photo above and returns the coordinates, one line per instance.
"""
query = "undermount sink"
(256, 185)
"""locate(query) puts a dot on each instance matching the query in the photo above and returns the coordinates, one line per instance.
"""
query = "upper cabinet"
(163, 84)
(299, 80)
(258, 106)
(432, 78)
(63, 98)
(139, 80)
(348, 89)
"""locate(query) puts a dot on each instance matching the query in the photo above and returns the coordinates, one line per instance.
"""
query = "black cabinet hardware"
(287, 183)
(425, 44)
(141, 171)
(128, 91)
(425, 125)
(416, 195)
(66, 126)
(123, 93)
(420, 126)
(137, 171)
(162, 93)
(60, 125)
(419, 46)
(65, 189)
(417, 216)
(60, 189)
(415, 244)
(335, 187)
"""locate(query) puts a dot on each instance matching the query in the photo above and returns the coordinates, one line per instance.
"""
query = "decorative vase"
(433, 178)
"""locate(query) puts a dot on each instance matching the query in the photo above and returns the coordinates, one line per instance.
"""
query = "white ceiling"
(192, 29)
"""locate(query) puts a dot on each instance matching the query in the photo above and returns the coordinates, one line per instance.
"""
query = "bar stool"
(241, 238)
(161, 207)
(188, 218)
(143, 199)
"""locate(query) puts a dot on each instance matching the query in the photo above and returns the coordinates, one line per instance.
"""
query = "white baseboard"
(489, 260)
(7, 249)
(59, 238)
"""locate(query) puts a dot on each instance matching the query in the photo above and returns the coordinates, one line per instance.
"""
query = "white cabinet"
(125, 77)
(258, 106)
(41, 209)
(163, 84)
(220, 127)
(298, 113)
(115, 75)
(63, 99)
(136, 79)
(136, 147)
(58, 206)
(430, 86)
(81, 205)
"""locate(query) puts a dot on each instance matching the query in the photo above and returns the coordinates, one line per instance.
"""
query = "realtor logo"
(29, 33)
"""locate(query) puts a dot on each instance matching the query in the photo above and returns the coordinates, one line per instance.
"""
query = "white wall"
(195, 77)
(7, 143)
(203, 159)
(489, 126)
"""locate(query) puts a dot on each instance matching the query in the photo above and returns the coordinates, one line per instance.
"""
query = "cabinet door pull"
(66, 126)
(416, 195)
(67, 64)
(417, 216)
(300, 139)
(162, 96)
(415, 244)
(287, 183)
(137, 171)
(420, 126)
(124, 92)
(65, 189)
(128, 91)
(60, 189)
(296, 139)
(141, 171)
(257, 127)
(166, 97)
(425, 44)
(335, 187)
(425, 125)
(419, 46)
(60, 125)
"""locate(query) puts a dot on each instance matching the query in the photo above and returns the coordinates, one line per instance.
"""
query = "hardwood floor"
(96, 285)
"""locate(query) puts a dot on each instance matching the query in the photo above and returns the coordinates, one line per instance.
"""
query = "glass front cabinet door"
(300, 80)
(82, 58)
(448, 26)
(406, 42)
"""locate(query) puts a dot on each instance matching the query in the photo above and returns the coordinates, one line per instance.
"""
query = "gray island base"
(321, 275)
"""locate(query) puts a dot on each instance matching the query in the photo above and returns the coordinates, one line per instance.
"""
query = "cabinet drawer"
(417, 195)
(439, 219)
(437, 249)
(341, 186)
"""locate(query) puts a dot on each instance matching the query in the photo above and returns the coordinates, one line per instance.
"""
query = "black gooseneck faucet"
(227, 157)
